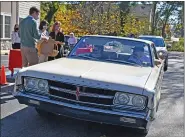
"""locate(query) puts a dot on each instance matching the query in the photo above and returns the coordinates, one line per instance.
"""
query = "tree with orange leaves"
(70, 22)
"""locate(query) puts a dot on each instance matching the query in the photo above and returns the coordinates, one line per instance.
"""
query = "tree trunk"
(163, 31)
(153, 17)
(50, 14)
(124, 10)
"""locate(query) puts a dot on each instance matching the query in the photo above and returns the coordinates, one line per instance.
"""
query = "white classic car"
(104, 79)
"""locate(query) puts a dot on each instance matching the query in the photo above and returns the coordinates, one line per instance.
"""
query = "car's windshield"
(159, 42)
(115, 50)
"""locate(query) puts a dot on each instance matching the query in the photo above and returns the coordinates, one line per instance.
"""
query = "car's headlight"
(162, 53)
(121, 99)
(34, 83)
(43, 85)
(138, 101)
(132, 100)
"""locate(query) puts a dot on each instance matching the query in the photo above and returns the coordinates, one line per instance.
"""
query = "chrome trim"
(141, 115)
(131, 105)
(116, 107)
(75, 101)
(81, 93)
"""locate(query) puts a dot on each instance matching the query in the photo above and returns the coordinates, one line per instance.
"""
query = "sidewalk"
(5, 52)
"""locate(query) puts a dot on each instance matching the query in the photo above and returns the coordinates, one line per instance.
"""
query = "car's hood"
(161, 49)
(92, 73)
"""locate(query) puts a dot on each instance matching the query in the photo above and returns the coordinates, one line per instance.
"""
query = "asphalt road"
(22, 121)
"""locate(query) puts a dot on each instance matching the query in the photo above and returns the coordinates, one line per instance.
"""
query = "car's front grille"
(83, 96)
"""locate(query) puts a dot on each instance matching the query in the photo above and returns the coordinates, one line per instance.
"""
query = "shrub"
(178, 46)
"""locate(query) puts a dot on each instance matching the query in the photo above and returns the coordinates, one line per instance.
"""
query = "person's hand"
(62, 43)
(157, 62)
(57, 42)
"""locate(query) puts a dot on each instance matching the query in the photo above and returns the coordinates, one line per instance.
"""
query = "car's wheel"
(165, 67)
(166, 64)
(44, 113)
(143, 132)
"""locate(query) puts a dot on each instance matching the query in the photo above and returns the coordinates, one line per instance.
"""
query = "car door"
(159, 72)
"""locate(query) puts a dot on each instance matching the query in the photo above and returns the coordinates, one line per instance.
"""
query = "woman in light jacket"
(72, 40)
(43, 30)
(16, 38)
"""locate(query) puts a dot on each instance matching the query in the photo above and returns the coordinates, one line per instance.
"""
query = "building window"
(5, 26)
(1, 26)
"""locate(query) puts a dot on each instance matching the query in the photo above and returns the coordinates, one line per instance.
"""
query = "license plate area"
(127, 120)
(78, 112)
(34, 102)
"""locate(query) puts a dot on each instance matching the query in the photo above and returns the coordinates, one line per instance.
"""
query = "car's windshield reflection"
(114, 50)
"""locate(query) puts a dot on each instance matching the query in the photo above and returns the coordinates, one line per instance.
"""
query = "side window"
(154, 52)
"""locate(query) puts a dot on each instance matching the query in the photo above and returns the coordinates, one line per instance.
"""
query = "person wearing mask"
(43, 30)
(58, 36)
(15, 38)
(72, 40)
(29, 34)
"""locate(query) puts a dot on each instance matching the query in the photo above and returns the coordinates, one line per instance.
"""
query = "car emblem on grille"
(77, 93)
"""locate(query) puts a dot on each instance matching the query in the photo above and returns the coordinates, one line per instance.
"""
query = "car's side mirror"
(157, 62)
(169, 46)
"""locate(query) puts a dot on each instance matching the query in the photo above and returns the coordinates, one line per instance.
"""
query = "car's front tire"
(43, 113)
(143, 132)
(166, 64)
(165, 67)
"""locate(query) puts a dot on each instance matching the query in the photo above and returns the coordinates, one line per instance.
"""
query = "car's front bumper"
(125, 118)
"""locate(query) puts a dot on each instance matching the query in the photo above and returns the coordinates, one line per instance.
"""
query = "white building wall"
(25, 6)
(16, 10)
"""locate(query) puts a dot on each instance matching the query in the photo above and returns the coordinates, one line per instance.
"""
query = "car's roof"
(151, 36)
(126, 38)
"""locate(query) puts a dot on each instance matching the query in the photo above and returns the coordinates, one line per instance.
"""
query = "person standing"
(43, 30)
(58, 36)
(72, 40)
(29, 34)
(15, 37)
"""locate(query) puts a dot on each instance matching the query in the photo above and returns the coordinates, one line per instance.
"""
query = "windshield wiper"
(120, 61)
(84, 56)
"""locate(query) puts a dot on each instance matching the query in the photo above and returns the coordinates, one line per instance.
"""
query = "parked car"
(101, 80)
(161, 46)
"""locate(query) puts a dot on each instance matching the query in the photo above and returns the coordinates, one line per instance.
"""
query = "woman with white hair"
(72, 40)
